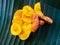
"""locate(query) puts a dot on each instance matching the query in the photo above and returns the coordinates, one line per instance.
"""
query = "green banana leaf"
(45, 35)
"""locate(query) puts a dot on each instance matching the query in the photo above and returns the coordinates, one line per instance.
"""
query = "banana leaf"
(45, 35)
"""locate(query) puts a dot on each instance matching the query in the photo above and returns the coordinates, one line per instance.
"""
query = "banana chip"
(26, 19)
(15, 29)
(28, 11)
(17, 14)
(17, 17)
(18, 21)
(25, 32)
(37, 8)
(22, 21)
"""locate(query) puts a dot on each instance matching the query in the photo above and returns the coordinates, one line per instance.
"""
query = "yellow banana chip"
(18, 21)
(18, 13)
(37, 8)
(26, 30)
(28, 11)
(15, 29)
(26, 19)
(17, 17)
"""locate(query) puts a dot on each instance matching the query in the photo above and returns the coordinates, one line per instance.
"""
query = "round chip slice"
(15, 29)
(18, 21)
(17, 14)
(37, 8)
(17, 17)
(28, 11)
(25, 32)
(26, 19)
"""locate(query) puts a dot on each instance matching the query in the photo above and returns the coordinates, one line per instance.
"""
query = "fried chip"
(25, 32)
(17, 17)
(26, 19)
(15, 29)
(37, 8)
(28, 11)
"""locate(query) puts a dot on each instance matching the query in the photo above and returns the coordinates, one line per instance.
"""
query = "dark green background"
(45, 35)
(54, 3)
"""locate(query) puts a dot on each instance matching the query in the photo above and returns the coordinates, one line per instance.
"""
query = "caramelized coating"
(41, 22)
(46, 18)
(35, 23)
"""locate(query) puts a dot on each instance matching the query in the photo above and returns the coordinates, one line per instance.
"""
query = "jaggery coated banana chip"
(28, 11)
(15, 29)
(37, 8)
(26, 30)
